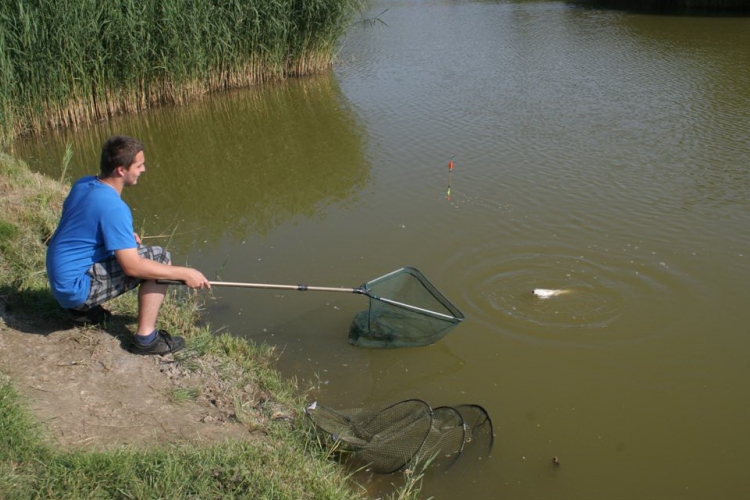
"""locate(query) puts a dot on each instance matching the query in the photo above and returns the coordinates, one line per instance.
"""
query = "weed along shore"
(91, 61)
(214, 420)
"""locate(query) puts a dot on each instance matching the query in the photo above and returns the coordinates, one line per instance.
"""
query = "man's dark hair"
(118, 151)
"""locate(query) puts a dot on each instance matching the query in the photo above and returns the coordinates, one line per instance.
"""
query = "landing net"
(405, 310)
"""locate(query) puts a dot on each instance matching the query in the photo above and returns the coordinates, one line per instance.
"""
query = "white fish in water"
(545, 293)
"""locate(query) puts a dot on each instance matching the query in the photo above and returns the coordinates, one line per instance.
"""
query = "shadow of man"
(36, 312)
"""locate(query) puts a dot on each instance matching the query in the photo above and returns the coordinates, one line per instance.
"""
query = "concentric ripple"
(588, 298)
(610, 295)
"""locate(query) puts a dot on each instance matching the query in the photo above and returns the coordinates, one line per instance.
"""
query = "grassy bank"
(68, 62)
(288, 463)
(29, 468)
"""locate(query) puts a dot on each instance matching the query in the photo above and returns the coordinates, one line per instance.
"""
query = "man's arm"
(138, 267)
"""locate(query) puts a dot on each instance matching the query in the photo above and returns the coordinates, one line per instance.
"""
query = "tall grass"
(70, 62)
(29, 211)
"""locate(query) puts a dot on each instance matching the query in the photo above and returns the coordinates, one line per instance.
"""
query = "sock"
(146, 339)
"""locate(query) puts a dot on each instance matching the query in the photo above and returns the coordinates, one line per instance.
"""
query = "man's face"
(135, 170)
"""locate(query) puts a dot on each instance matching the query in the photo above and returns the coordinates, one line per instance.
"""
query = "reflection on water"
(233, 165)
(599, 151)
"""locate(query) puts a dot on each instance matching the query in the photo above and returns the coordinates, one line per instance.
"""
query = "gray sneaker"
(164, 343)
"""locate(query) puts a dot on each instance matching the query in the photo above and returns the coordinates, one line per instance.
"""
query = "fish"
(545, 293)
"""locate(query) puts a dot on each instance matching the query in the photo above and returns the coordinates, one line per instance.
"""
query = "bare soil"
(90, 392)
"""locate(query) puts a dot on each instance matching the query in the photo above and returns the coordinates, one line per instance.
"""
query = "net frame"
(406, 433)
(387, 440)
(423, 317)
(480, 432)
(446, 439)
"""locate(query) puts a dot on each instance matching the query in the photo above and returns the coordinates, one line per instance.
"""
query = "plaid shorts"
(109, 281)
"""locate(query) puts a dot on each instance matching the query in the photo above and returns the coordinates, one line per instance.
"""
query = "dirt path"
(90, 392)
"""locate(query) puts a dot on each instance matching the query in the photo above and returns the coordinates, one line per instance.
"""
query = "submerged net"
(479, 429)
(405, 310)
(446, 438)
(405, 433)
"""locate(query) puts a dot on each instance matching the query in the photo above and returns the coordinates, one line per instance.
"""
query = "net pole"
(416, 309)
(300, 288)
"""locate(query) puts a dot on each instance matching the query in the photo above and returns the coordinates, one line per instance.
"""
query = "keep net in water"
(406, 433)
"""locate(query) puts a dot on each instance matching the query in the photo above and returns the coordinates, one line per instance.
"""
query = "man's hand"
(195, 279)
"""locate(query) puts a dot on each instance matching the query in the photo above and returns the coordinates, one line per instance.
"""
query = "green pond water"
(602, 152)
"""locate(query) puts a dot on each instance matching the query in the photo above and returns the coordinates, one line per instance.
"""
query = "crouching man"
(94, 255)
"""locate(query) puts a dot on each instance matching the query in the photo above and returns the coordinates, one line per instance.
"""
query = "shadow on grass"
(36, 312)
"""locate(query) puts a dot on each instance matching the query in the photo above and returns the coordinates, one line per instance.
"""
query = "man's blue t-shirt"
(95, 222)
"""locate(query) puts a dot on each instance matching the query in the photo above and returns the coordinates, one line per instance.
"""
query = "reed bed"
(72, 62)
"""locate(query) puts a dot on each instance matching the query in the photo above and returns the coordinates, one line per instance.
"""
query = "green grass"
(31, 468)
(29, 211)
(183, 394)
(67, 62)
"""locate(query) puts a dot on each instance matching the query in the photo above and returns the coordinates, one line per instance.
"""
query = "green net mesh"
(405, 310)
(446, 438)
(405, 434)
(395, 435)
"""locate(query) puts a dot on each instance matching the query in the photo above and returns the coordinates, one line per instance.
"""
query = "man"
(95, 255)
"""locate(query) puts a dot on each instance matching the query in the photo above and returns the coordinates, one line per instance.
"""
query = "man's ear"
(119, 171)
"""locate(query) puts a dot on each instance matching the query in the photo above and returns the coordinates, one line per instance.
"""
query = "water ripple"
(601, 288)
